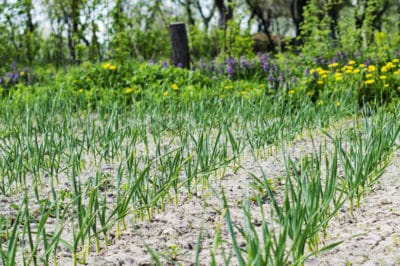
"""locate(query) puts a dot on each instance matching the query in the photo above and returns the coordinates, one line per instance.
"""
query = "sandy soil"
(371, 236)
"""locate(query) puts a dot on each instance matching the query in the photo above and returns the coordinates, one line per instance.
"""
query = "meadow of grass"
(86, 154)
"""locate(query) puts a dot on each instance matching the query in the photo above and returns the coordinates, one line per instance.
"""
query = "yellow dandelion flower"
(175, 87)
(106, 65)
(320, 82)
(370, 81)
(22, 73)
(389, 65)
(395, 60)
(80, 90)
(356, 71)
(352, 62)
(291, 92)
(112, 67)
(337, 104)
(371, 68)
(244, 92)
(384, 69)
(361, 65)
(333, 65)
(348, 71)
(324, 76)
(386, 85)
(338, 78)
(368, 76)
(128, 90)
(382, 77)
(165, 93)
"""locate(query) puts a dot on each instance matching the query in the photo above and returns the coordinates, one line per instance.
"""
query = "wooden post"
(180, 47)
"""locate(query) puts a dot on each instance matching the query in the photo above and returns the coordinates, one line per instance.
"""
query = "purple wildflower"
(341, 55)
(180, 65)
(367, 62)
(230, 71)
(294, 80)
(265, 66)
(396, 53)
(13, 66)
(203, 65)
(307, 72)
(164, 64)
(281, 78)
(271, 79)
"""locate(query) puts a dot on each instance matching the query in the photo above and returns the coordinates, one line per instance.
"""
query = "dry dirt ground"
(370, 237)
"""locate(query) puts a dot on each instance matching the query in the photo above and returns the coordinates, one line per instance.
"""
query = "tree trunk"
(180, 47)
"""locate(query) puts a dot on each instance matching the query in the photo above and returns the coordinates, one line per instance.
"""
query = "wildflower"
(164, 64)
(80, 90)
(371, 68)
(203, 65)
(370, 81)
(352, 62)
(361, 65)
(310, 93)
(320, 82)
(128, 90)
(22, 73)
(230, 71)
(165, 93)
(356, 71)
(244, 92)
(389, 65)
(337, 104)
(384, 69)
(386, 85)
(106, 65)
(368, 76)
(112, 67)
(281, 78)
(382, 77)
(291, 92)
(338, 78)
(175, 87)
(320, 102)
(395, 60)
(271, 79)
